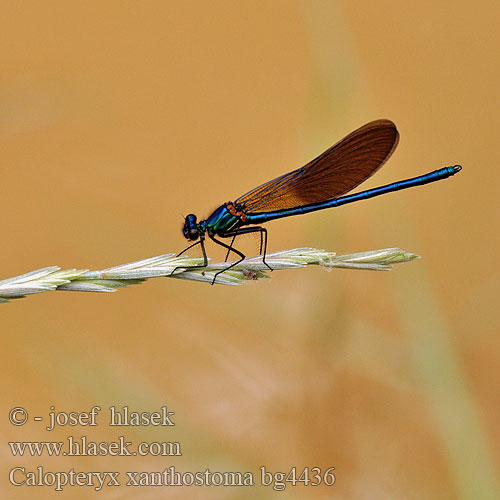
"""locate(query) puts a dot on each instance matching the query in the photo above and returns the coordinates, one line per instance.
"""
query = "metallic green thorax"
(221, 221)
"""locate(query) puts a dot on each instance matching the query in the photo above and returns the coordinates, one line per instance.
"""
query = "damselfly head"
(190, 229)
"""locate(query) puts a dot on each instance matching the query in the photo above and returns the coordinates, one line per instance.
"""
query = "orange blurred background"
(117, 118)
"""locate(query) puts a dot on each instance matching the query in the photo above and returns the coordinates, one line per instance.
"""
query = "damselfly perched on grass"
(319, 184)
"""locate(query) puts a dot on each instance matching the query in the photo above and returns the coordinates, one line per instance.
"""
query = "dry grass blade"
(251, 269)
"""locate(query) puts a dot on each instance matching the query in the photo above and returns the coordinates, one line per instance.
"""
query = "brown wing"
(332, 174)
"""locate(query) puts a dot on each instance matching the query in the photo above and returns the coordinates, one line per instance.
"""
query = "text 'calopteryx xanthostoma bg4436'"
(319, 184)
